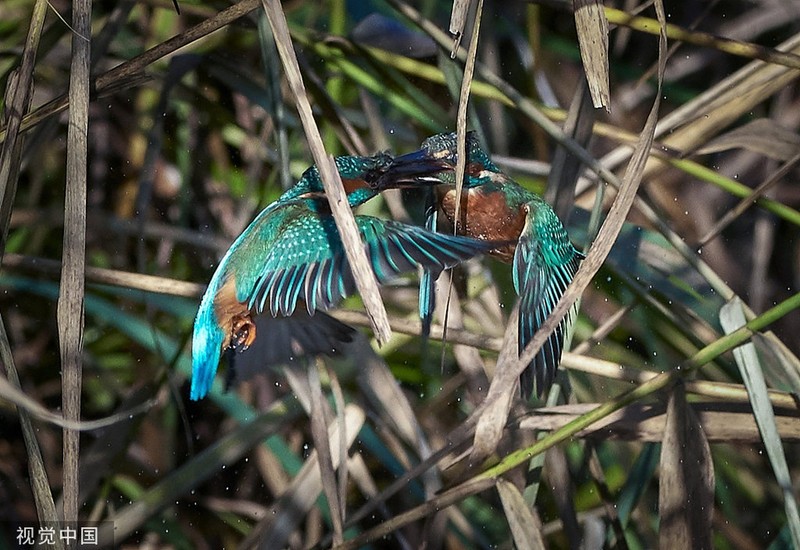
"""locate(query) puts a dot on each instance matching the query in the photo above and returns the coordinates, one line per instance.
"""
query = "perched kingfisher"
(496, 208)
(292, 252)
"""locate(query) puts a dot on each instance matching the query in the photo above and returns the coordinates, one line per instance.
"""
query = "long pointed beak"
(412, 170)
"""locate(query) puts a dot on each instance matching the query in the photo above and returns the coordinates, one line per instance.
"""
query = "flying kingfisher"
(496, 208)
(292, 253)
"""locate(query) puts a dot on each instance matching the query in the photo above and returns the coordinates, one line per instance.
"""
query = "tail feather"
(427, 283)
(207, 342)
(427, 301)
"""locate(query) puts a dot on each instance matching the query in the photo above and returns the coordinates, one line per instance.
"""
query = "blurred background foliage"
(185, 152)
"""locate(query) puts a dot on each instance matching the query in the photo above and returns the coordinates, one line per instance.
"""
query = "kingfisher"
(495, 208)
(292, 254)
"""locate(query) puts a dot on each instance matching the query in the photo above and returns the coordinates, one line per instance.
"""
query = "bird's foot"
(243, 332)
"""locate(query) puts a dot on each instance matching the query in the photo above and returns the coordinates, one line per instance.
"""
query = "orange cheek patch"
(353, 184)
(474, 168)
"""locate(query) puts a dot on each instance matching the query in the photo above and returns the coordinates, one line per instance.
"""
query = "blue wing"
(306, 260)
(544, 264)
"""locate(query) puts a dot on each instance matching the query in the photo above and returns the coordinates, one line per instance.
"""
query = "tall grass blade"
(732, 318)
(592, 28)
(71, 291)
(525, 527)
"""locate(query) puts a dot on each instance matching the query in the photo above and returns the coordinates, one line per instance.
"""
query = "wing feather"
(544, 264)
(427, 282)
(305, 259)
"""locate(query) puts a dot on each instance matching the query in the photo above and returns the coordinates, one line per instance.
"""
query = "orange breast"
(487, 217)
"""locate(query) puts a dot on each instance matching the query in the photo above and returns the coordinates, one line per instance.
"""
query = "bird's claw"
(243, 332)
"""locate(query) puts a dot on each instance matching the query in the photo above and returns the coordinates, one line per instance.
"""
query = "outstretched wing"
(306, 259)
(544, 264)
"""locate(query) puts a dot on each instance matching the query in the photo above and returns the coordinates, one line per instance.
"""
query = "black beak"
(412, 170)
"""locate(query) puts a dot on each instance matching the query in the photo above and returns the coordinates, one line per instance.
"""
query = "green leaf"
(732, 318)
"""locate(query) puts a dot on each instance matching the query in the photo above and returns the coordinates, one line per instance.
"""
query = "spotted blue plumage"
(544, 261)
(292, 252)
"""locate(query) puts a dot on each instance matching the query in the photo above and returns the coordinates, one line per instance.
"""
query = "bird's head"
(435, 162)
(357, 174)
(445, 147)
